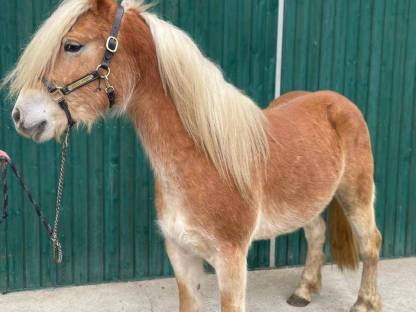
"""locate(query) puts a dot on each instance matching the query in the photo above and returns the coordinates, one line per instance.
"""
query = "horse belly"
(279, 219)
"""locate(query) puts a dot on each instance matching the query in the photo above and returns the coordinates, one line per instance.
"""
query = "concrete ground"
(267, 291)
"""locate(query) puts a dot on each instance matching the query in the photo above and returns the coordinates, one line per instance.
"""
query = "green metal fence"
(364, 49)
(367, 51)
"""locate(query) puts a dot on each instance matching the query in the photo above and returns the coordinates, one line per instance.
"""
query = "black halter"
(101, 72)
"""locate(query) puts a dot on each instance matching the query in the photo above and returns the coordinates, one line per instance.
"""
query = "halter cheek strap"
(111, 45)
(102, 72)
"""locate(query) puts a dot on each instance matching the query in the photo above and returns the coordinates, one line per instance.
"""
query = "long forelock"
(42, 51)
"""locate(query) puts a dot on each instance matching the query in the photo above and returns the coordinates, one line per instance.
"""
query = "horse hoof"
(297, 301)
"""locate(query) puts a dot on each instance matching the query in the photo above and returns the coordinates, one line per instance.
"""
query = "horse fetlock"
(188, 302)
(306, 290)
(367, 304)
(232, 309)
(228, 305)
(314, 285)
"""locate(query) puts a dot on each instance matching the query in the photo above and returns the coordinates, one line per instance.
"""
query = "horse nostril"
(16, 115)
(35, 129)
(42, 125)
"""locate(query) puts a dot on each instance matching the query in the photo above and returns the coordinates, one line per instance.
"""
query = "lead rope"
(57, 248)
(53, 233)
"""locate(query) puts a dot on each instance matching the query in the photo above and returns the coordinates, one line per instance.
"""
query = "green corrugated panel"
(108, 223)
(410, 102)
(367, 51)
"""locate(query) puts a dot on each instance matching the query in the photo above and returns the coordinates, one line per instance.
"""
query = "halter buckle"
(112, 44)
(103, 71)
(58, 95)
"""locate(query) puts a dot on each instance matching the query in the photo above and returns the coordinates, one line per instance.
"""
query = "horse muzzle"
(33, 116)
(30, 130)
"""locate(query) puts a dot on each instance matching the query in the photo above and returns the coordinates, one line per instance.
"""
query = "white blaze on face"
(37, 116)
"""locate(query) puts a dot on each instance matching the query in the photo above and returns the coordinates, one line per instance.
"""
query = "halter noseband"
(101, 72)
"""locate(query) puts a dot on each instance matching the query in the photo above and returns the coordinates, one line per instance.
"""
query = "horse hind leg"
(311, 277)
(357, 200)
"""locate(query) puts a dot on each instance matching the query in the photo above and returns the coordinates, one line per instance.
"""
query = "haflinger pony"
(227, 173)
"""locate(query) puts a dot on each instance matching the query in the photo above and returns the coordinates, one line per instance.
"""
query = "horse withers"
(227, 173)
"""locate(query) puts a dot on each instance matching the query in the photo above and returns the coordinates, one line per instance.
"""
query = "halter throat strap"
(102, 72)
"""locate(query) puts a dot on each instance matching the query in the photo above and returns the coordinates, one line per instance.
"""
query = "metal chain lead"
(52, 232)
(3, 168)
(57, 247)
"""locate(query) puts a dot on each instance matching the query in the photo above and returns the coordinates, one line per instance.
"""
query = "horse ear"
(99, 5)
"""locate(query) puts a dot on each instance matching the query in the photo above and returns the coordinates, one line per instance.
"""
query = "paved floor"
(267, 291)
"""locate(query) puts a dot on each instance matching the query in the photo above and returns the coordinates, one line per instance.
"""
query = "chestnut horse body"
(218, 188)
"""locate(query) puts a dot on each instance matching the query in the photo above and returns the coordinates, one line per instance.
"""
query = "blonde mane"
(224, 122)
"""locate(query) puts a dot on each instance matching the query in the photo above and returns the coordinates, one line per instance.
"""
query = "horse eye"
(72, 47)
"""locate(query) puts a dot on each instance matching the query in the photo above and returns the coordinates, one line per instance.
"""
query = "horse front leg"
(231, 269)
(189, 273)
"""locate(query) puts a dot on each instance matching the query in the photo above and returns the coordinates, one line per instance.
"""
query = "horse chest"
(175, 221)
(174, 224)
(171, 210)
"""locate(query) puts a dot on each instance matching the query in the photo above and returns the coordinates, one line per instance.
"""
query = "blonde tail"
(344, 249)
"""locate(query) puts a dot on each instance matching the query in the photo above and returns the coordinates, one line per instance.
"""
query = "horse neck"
(151, 108)
(156, 119)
